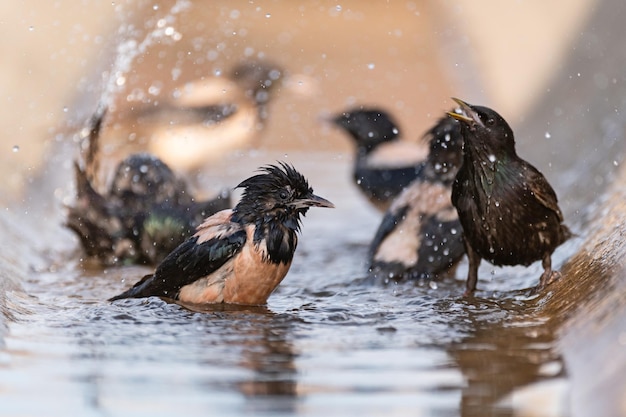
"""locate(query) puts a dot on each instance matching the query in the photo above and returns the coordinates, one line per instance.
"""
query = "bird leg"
(472, 273)
(548, 276)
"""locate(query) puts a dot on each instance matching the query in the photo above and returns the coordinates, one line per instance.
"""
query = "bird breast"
(508, 225)
(254, 275)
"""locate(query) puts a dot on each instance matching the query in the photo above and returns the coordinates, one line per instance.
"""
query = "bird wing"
(389, 222)
(543, 191)
(385, 183)
(215, 243)
(441, 247)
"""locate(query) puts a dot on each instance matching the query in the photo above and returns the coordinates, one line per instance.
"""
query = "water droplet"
(615, 163)
(492, 158)
(143, 169)
(31, 28)
(65, 109)
(453, 231)
(395, 131)
(268, 15)
(497, 203)
(371, 65)
(16, 148)
(120, 81)
(154, 89)
(234, 14)
(548, 135)
(155, 7)
(432, 285)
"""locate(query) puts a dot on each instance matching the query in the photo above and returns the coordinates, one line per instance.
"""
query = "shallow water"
(325, 343)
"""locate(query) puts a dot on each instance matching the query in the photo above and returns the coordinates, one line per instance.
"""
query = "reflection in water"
(264, 338)
(510, 344)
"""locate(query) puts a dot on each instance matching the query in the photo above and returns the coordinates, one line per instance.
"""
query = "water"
(325, 343)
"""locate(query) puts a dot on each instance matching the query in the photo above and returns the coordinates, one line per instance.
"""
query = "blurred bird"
(211, 116)
(420, 235)
(508, 209)
(238, 256)
(384, 164)
(146, 212)
(194, 123)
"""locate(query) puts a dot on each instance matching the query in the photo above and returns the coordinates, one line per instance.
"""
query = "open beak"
(465, 113)
(312, 201)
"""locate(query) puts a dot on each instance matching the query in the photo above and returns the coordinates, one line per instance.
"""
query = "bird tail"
(135, 291)
(566, 234)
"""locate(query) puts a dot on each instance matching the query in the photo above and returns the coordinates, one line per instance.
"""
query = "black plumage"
(238, 256)
(507, 208)
(383, 164)
(420, 235)
(143, 214)
(146, 212)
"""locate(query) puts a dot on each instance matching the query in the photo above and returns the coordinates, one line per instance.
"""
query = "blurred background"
(406, 56)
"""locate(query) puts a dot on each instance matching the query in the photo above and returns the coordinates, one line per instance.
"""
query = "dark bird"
(146, 213)
(420, 235)
(238, 256)
(507, 208)
(384, 164)
(143, 214)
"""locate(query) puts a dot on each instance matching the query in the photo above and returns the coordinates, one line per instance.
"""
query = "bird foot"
(547, 278)
(468, 293)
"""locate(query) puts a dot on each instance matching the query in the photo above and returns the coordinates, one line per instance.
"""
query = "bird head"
(368, 127)
(483, 129)
(278, 192)
(146, 177)
(257, 79)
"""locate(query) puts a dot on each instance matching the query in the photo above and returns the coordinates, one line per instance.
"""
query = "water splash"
(127, 50)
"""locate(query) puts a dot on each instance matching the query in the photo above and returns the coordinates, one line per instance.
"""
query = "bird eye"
(283, 194)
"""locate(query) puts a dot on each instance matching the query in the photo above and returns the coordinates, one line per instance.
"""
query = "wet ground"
(327, 344)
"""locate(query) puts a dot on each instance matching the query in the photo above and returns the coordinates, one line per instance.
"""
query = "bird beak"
(312, 201)
(340, 120)
(465, 113)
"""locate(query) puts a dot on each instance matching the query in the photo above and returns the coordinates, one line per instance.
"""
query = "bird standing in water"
(384, 164)
(420, 235)
(507, 208)
(238, 256)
